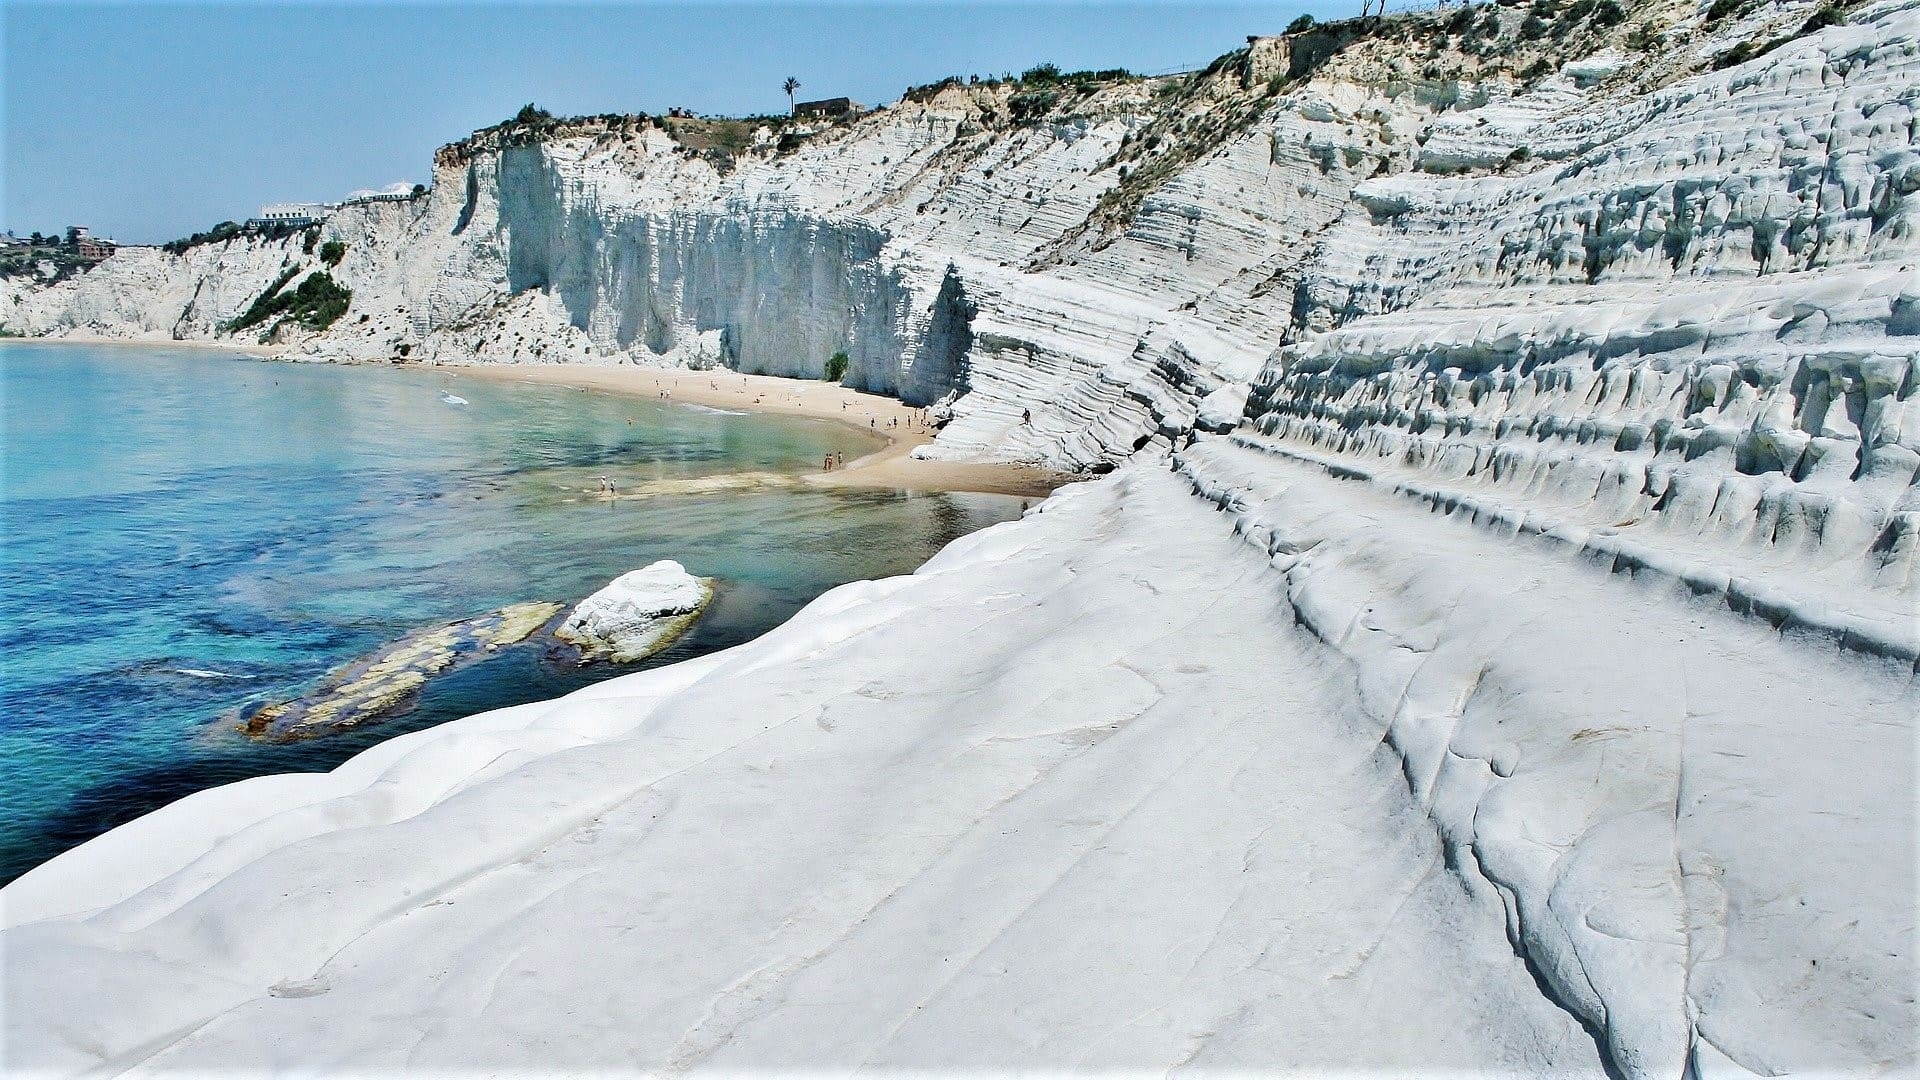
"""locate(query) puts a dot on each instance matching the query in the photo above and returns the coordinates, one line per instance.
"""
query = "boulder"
(638, 614)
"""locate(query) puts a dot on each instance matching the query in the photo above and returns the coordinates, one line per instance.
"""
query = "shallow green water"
(187, 532)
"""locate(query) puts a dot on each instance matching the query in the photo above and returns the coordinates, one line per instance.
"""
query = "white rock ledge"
(638, 614)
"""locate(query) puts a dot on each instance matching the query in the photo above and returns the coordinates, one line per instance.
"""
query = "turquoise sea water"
(187, 532)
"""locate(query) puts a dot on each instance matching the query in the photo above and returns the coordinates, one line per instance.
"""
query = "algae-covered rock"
(374, 685)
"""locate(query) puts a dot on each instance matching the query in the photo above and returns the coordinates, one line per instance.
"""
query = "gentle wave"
(203, 673)
(714, 411)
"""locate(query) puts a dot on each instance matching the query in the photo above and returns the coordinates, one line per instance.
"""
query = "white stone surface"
(629, 619)
(1326, 782)
(1521, 682)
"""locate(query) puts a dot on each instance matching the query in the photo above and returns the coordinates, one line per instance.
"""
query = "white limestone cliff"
(1494, 652)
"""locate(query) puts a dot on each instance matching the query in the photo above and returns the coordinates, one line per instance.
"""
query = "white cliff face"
(1689, 343)
(1495, 652)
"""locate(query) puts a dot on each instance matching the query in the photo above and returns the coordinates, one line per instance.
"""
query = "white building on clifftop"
(290, 214)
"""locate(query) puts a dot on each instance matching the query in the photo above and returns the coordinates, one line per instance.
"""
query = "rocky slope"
(1510, 573)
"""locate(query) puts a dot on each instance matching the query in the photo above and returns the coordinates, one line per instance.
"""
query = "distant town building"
(831, 108)
(75, 234)
(289, 214)
(95, 248)
(378, 196)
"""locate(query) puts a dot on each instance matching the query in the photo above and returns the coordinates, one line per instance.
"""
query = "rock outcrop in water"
(373, 686)
(1493, 650)
(637, 614)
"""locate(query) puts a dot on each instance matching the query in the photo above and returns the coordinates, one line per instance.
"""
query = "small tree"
(1300, 25)
(332, 252)
(790, 86)
(836, 367)
(1044, 73)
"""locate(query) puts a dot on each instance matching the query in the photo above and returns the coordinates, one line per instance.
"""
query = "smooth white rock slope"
(1495, 651)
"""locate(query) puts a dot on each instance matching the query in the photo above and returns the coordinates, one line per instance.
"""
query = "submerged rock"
(638, 614)
(374, 685)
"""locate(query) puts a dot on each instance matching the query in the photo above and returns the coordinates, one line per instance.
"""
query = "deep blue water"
(168, 512)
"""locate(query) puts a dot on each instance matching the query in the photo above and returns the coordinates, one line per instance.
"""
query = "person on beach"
(839, 459)
(1026, 417)
(826, 463)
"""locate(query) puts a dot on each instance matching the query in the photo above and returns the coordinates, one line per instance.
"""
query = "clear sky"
(149, 121)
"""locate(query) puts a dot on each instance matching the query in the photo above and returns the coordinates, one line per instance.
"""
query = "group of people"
(607, 488)
(833, 461)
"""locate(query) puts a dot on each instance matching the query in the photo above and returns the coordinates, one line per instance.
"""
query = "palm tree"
(790, 86)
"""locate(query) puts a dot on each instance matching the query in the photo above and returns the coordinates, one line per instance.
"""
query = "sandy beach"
(895, 428)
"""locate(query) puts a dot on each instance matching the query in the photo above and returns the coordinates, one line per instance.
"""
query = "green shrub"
(226, 230)
(310, 238)
(925, 92)
(1032, 105)
(332, 252)
(836, 367)
(1608, 13)
(1827, 15)
(1533, 27)
(315, 304)
(1739, 54)
(1723, 8)
(733, 136)
(1041, 74)
(1300, 24)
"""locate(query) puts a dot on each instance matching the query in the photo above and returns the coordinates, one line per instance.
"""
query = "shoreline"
(891, 465)
(231, 348)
